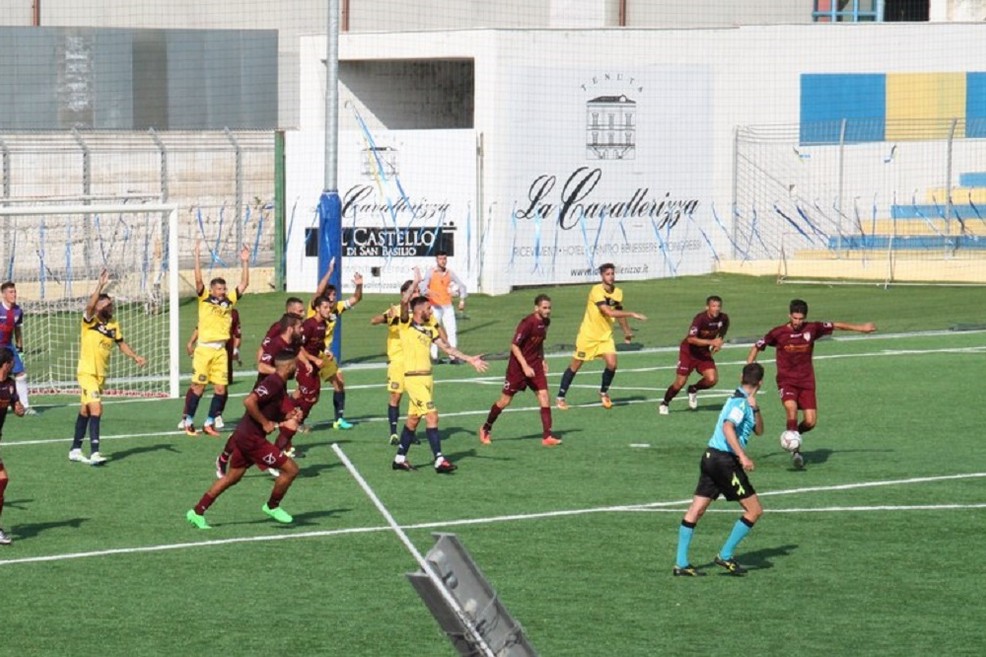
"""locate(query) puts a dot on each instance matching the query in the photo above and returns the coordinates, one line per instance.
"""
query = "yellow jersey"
(216, 316)
(98, 339)
(595, 325)
(416, 346)
(394, 350)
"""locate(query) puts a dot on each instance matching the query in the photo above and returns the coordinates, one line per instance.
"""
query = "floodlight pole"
(330, 205)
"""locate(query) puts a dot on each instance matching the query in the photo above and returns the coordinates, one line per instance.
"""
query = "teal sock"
(740, 530)
(685, 532)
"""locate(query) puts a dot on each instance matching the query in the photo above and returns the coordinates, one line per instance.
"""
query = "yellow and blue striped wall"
(891, 106)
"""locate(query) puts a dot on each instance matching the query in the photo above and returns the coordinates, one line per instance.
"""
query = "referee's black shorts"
(722, 474)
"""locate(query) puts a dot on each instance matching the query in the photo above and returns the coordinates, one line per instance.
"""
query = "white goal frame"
(19, 208)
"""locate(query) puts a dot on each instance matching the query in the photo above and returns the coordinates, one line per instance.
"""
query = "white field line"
(676, 506)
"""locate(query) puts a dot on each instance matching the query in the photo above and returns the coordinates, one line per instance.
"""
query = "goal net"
(55, 254)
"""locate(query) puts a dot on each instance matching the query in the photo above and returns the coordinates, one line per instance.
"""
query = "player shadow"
(17, 504)
(300, 519)
(31, 530)
(137, 451)
(812, 457)
(762, 559)
(315, 469)
(623, 400)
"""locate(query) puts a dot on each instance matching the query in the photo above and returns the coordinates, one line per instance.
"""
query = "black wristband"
(756, 409)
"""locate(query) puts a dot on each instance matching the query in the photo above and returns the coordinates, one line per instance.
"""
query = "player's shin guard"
(670, 394)
(204, 504)
(740, 530)
(546, 421)
(566, 381)
(339, 403)
(608, 375)
(434, 440)
(393, 415)
(191, 403)
(493, 415)
(283, 441)
(407, 436)
(81, 423)
(217, 405)
(94, 432)
(685, 532)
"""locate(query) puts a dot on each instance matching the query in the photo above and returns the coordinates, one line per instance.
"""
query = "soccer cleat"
(4, 538)
(484, 435)
(219, 422)
(278, 514)
(693, 400)
(221, 467)
(190, 429)
(730, 565)
(663, 409)
(798, 461)
(96, 459)
(274, 472)
(209, 430)
(77, 456)
(605, 400)
(445, 467)
(290, 452)
(687, 571)
(181, 423)
(196, 520)
(30, 411)
(403, 465)
(561, 404)
(341, 423)
(551, 441)
(395, 439)
(304, 428)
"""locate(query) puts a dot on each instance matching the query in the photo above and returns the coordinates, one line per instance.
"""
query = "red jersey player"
(526, 369)
(9, 401)
(704, 339)
(795, 344)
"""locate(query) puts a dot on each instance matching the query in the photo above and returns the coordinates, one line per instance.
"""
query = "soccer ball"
(791, 441)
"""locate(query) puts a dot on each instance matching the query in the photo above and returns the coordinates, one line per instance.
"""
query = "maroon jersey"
(705, 328)
(313, 336)
(794, 351)
(529, 338)
(235, 330)
(274, 329)
(270, 394)
(8, 397)
(270, 348)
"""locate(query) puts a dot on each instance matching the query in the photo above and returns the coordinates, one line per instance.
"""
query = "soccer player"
(395, 361)
(705, 337)
(210, 362)
(11, 320)
(526, 369)
(328, 365)
(417, 336)
(595, 339)
(795, 344)
(286, 341)
(232, 353)
(267, 409)
(99, 333)
(437, 287)
(723, 471)
(9, 401)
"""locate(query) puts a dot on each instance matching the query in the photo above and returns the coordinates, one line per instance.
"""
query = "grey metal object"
(478, 602)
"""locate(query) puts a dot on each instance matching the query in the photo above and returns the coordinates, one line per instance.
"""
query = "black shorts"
(723, 475)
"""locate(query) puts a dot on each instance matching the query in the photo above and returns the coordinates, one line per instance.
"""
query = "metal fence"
(912, 208)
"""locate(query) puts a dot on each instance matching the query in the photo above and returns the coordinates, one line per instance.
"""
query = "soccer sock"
(685, 532)
(700, 385)
(805, 427)
(191, 404)
(792, 425)
(274, 500)
(546, 421)
(393, 415)
(227, 450)
(81, 422)
(222, 403)
(493, 415)
(740, 530)
(406, 437)
(20, 382)
(670, 394)
(283, 441)
(216, 407)
(566, 381)
(3, 487)
(94, 432)
(434, 440)
(204, 504)
(339, 403)
(608, 375)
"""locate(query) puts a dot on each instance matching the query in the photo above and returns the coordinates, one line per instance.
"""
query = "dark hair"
(103, 296)
(441, 252)
(284, 356)
(6, 356)
(711, 298)
(288, 320)
(6, 286)
(417, 301)
(406, 285)
(752, 374)
(541, 297)
(293, 300)
(606, 266)
(318, 301)
(218, 280)
(798, 306)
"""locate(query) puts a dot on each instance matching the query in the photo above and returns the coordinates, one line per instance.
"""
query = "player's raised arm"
(323, 283)
(406, 297)
(101, 283)
(197, 256)
(358, 292)
(244, 270)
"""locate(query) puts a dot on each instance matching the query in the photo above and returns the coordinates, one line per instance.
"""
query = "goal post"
(54, 253)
